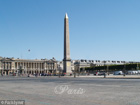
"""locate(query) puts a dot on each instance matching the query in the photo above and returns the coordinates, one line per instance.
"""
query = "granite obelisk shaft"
(66, 60)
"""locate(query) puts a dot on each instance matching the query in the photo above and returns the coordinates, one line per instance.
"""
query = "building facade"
(83, 63)
(27, 66)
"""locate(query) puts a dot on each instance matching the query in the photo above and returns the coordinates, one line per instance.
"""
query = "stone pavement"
(70, 91)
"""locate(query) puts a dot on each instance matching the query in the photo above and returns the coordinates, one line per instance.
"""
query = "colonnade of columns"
(5, 68)
(27, 67)
(35, 67)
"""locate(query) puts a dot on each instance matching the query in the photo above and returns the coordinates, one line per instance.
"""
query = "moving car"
(118, 73)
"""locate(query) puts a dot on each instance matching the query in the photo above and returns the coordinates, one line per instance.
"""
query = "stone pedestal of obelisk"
(66, 60)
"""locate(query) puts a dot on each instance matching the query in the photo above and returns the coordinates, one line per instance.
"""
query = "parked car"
(14, 74)
(138, 71)
(55, 74)
(43, 74)
(49, 74)
(99, 73)
(62, 74)
(96, 73)
(131, 72)
(118, 73)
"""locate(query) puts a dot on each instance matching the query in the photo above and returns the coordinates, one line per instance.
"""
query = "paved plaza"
(70, 91)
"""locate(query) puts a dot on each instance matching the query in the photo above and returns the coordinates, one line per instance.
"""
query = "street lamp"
(124, 70)
(107, 69)
(104, 69)
(59, 68)
(137, 66)
(74, 73)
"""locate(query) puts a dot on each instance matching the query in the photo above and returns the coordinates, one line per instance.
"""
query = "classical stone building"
(27, 66)
(83, 63)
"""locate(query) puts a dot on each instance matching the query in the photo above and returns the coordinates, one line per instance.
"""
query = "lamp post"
(124, 70)
(74, 73)
(104, 69)
(107, 69)
(59, 68)
(137, 66)
(1, 72)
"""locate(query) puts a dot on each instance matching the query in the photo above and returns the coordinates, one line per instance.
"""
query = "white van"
(118, 73)
(138, 71)
(132, 72)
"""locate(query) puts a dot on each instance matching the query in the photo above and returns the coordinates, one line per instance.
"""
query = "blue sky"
(99, 29)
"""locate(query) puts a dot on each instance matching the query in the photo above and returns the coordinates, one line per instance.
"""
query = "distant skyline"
(99, 29)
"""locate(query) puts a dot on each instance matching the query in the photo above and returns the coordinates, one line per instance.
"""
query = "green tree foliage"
(114, 67)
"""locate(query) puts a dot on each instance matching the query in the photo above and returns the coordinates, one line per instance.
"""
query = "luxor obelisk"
(66, 60)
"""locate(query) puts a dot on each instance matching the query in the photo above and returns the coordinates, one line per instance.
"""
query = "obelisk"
(66, 60)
